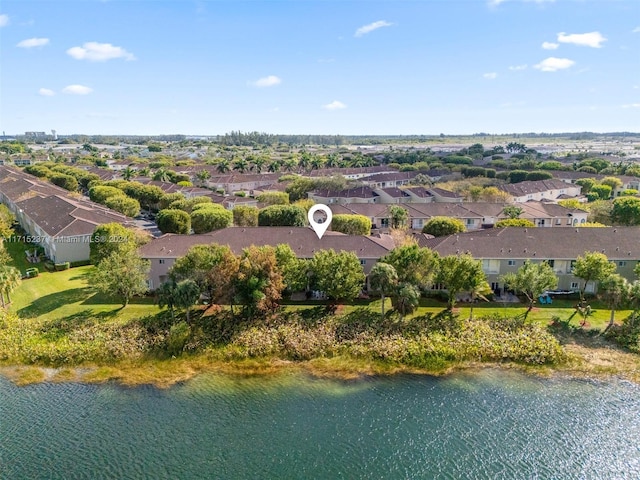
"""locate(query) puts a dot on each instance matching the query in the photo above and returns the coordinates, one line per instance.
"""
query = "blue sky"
(305, 66)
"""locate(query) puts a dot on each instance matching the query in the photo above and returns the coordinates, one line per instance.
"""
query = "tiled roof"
(619, 243)
(303, 241)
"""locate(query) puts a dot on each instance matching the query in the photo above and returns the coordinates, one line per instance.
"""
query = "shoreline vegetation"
(350, 345)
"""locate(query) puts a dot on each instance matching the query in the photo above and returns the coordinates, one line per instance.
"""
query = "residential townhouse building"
(506, 249)
(162, 252)
(62, 224)
(541, 190)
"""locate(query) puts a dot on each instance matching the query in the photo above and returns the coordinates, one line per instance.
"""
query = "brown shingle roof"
(303, 241)
(619, 243)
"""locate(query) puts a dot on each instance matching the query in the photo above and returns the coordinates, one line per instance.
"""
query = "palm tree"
(384, 279)
(273, 166)
(240, 164)
(203, 176)
(304, 161)
(144, 172)
(290, 164)
(128, 173)
(258, 164)
(317, 162)
(332, 160)
(223, 166)
(10, 278)
(161, 175)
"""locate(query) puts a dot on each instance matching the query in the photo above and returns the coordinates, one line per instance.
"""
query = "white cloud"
(591, 39)
(4, 20)
(45, 92)
(77, 90)
(631, 105)
(490, 75)
(371, 27)
(550, 45)
(269, 81)
(636, 30)
(33, 42)
(517, 68)
(335, 105)
(553, 64)
(99, 52)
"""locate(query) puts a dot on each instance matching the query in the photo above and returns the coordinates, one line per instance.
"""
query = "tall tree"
(383, 278)
(338, 275)
(399, 216)
(10, 279)
(203, 176)
(413, 264)
(186, 294)
(592, 267)
(443, 226)
(531, 280)
(212, 267)
(614, 291)
(259, 282)
(459, 274)
(121, 274)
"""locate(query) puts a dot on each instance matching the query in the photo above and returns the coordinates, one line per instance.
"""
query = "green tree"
(612, 182)
(299, 188)
(282, 216)
(10, 279)
(459, 274)
(174, 221)
(614, 290)
(113, 237)
(121, 274)
(534, 176)
(204, 220)
(6, 222)
(294, 270)
(245, 216)
(166, 296)
(223, 166)
(351, 224)
(603, 192)
(274, 198)
(124, 205)
(586, 183)
(213, 267)
(203, 176)
(100, 193)
(65, 181)
(405, 299)
(186, 295)
(414, 265)
(531, 280)
(383, 278)
(592, 267)
(626, 211)
(443, 226)
(128, 173)
(399, 216)
(338, 275)
(512, 211)
(600, 211)
(514, 222)
(259, 282)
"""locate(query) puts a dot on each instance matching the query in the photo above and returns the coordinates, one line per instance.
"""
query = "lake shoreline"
(583, 362)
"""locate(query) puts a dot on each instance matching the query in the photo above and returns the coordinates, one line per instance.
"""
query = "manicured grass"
(19, 259)
(58, 295)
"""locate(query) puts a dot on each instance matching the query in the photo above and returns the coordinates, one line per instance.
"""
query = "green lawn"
(65, 294)
(19, 259)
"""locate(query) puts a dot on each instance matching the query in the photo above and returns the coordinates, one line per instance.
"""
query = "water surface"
(492, 424)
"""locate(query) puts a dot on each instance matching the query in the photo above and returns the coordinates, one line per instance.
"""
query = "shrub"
(123, 204)
(351, 224)
(205, 220)
(442, 226)
(174, 221)
(282, 216)
(101, 193)
(514, 222)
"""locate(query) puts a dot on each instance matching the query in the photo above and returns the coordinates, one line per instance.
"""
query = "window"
(161, 261)
(622, 263)
(469, 221)
(511, 263)
(568, 221)
(558, 221)
(384, 222)
(551, 263)
(574, 285)
(541, 222)
(363, 262)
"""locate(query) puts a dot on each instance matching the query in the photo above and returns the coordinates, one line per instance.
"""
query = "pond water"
(490, 424)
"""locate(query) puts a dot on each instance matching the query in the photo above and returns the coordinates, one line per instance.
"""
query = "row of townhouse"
(386, 196)
(162, 252)
(506, 249)
(62, 224)
(474, 215)
(500, 250)
(541, 190)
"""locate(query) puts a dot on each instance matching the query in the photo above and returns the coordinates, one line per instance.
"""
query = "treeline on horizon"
(238, 138)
